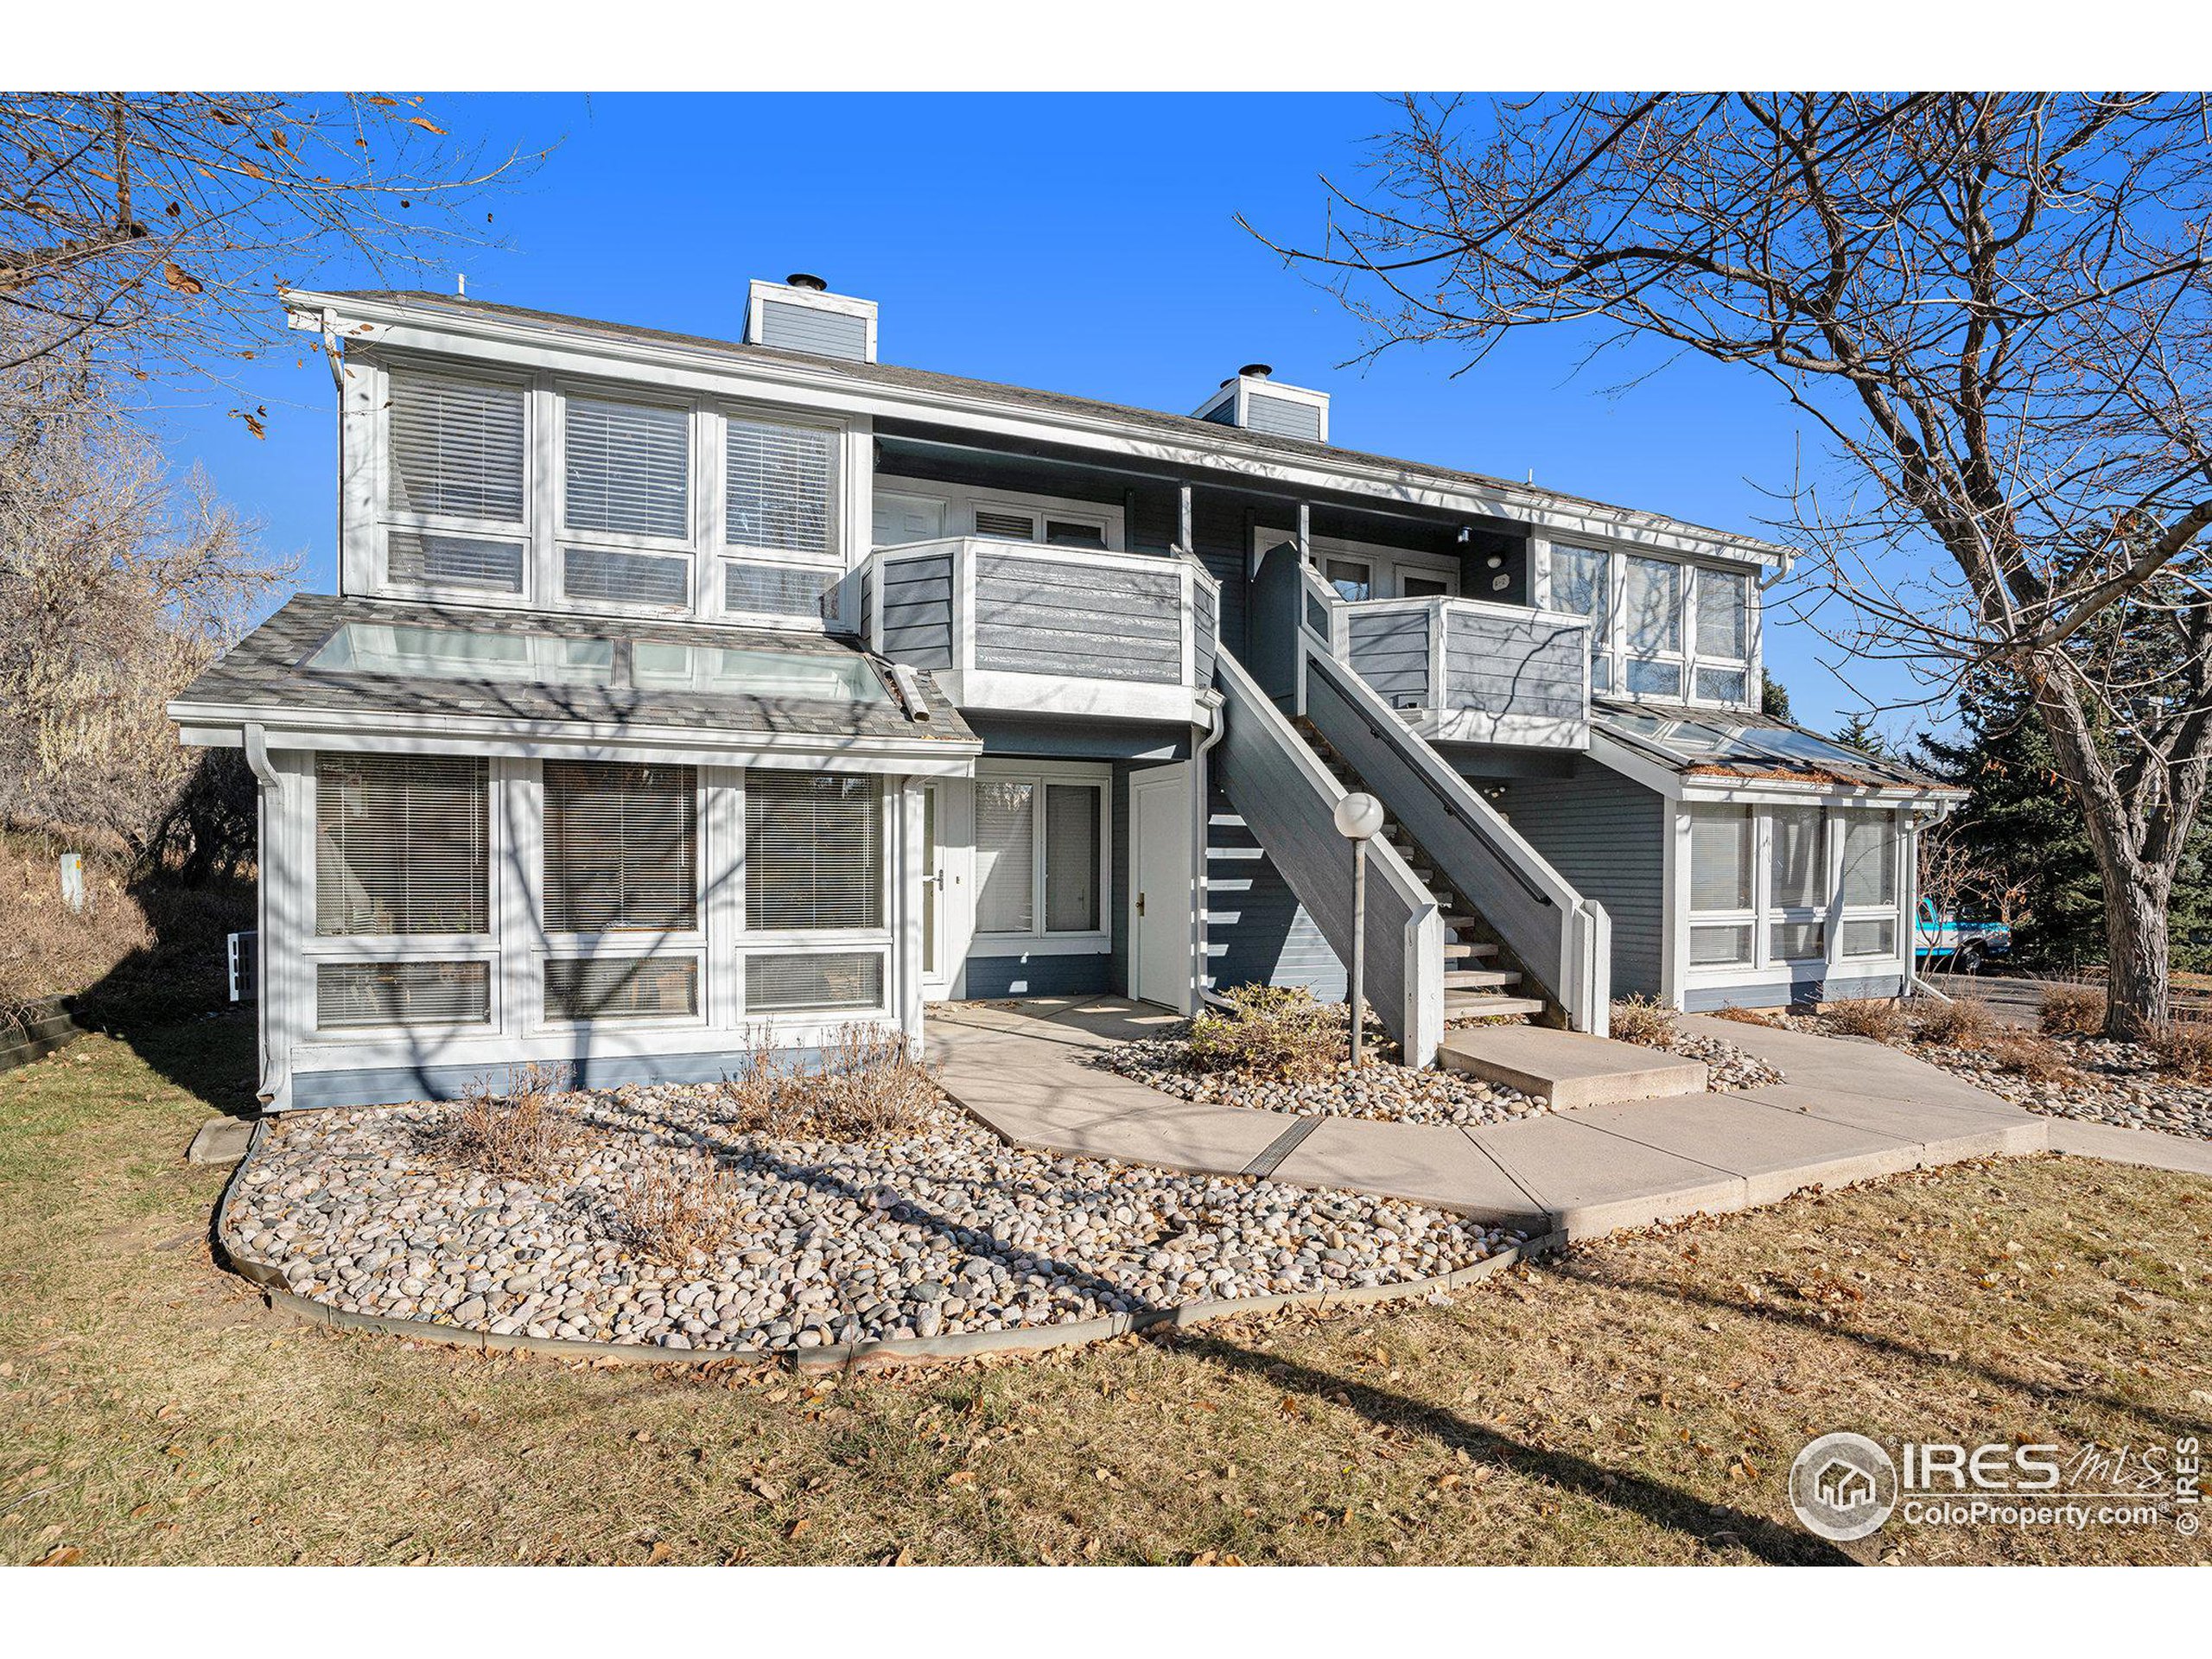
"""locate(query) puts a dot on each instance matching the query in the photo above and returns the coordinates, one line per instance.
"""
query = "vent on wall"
(800, 315)
(1252, 399)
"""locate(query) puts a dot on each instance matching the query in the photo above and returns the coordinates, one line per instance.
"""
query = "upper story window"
(524, 489)
(1054, 529)
(1661, 628)
(628, 469)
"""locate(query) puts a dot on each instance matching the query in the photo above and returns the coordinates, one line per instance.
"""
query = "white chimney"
(801, 314)
(1255, 400)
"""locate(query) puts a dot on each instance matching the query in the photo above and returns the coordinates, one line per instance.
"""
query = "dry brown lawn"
(1637, 1401)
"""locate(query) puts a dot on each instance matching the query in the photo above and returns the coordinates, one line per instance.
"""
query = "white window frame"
(1608, 644)
(1037, 939)
(686, 546)
(1765, 967)
(388, 518)
(716, 452)
(1390, 566)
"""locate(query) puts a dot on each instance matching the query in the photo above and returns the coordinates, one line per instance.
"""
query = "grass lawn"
(1637, 1401)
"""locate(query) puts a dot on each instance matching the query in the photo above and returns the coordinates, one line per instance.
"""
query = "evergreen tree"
(1774, 698)
(2026, 829)
(1859, 733)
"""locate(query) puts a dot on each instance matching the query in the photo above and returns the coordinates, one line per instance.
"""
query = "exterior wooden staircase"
(1476, 985)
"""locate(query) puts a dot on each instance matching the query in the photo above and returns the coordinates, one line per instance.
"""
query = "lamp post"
(1358, 816)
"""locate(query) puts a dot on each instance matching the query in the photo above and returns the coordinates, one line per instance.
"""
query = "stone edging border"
(846, 1356)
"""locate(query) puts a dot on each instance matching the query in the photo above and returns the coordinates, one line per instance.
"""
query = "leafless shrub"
(676, 1211)
(2184, 1048)
(2073, 1011)
(2037, 1059)
(867, 1085)
(1961, 1023)
(1868, 1016)
(519, 1130)
(1743, 1016)
(1641, 1021)
(1269, 1031)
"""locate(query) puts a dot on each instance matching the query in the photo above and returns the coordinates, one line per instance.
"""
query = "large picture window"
(1660, 628)
(402, 844)
(621, 848)
(456, 447)
(814, 852)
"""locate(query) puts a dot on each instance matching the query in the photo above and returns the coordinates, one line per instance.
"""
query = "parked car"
(1959, 946)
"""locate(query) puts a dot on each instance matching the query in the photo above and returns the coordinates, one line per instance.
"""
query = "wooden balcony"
(1465, 671)
(1020, 627)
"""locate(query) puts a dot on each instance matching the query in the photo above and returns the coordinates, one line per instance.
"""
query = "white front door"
(948, 859)
(1161, 894)
(903, 518)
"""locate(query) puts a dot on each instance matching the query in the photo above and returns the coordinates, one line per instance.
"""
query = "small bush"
(1961, 1023)
(1867, 1016)
(1641, 1021)
(2184, 1050)
(1270, 1031)
(520, 1131)
(676, 1211)
(867, 1085)
(2073, 1011)
(2035, 1059)
(1745, 1016)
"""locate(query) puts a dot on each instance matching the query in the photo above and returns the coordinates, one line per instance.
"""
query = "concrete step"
(1477, 979)
(1463, 951)
(1485, 1004)
(1567, 1068)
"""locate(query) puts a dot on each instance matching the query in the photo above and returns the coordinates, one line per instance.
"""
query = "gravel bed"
(2116, 1083)
(1381, 1089)
(1727, 1066)
(943, 1231)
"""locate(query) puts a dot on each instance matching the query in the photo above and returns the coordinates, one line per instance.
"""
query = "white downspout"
(275, 1050)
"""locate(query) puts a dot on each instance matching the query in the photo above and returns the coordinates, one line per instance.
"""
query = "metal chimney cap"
(1256, 370)
(806, 280)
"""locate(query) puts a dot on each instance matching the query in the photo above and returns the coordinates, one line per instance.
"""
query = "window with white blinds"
(625, 578)
(352, 994)
(621, 848)
(622, 987)
(790, 983)
(780, 488)
(778, 590)
(1721, 857)
(456, 447)
(402, 844)
(1006, 856)
(1869, 858)
(627, 469)
(430, 559)
(813, 851)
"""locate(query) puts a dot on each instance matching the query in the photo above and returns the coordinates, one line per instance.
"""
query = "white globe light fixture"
(1358, 819)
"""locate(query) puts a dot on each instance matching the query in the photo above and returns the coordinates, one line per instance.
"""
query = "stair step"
(1478, 950)
(1463, 1005)
(1461, 922)
(1472, 979)
(1568, 1068)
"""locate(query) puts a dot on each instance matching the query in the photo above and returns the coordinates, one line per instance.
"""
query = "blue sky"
(1083, 243)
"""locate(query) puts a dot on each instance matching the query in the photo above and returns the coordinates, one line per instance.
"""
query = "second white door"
(1161, 888)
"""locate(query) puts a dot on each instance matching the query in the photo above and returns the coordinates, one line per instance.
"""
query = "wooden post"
(1185, 538)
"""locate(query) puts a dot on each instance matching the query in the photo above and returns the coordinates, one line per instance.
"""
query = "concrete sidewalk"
(1851, 1109)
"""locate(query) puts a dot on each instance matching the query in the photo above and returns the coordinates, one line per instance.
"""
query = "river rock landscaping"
(937, 1229)
(1381, 1089)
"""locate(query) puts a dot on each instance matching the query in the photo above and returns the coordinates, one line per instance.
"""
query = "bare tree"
(1993, 308)
(146, 232)
(116, 586)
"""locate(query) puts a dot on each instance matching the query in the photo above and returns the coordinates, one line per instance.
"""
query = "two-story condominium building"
(681, 691)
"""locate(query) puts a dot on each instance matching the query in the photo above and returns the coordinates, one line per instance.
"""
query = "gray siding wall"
(1257, 933)
(1389, 650)
(1281, 418)
(1608, 837)
(1040, 976)
(1514, 665)
(1814, 987)
(1032, 617)
(807, 328)
(918, 612)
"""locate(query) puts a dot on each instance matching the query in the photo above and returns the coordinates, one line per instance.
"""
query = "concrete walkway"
(1851, 1109)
